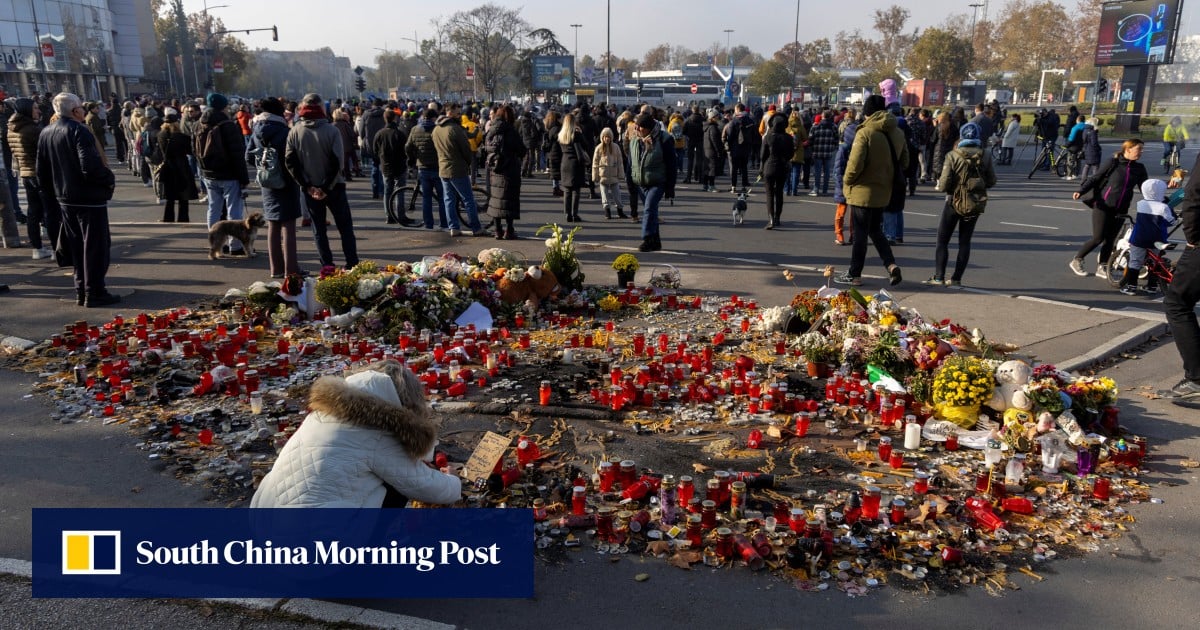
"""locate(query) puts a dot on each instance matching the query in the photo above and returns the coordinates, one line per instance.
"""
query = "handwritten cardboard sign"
(490, 450)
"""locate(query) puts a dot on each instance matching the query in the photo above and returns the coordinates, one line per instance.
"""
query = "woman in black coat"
(1112, 193)
(576, 164)
(281, 206)
(506, 151)
(553, 151)
(174, 181)
(945, 138)
(714, 152)
(776, 164)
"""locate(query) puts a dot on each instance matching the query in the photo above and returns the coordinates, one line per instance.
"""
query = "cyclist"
(1154, 219)
(1075, 144)
(1174, 136)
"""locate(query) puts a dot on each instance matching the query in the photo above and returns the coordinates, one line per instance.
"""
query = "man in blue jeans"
(652, 169)
(423, 155)
(224, 171)
(454, 167)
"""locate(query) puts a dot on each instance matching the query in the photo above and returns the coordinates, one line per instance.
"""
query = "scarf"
(311, 112)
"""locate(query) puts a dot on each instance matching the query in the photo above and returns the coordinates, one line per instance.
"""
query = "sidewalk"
(86, 464)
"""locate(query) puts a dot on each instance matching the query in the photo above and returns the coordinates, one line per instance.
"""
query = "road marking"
(1029, 225)
(752, 261)
(922, 214)
(1061, 208)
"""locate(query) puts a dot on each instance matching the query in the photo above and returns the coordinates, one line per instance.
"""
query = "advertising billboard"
(1138, 32)
(553, 72)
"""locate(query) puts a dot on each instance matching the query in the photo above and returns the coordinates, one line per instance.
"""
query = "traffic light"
(274, 33)
(360, 84)
(1101, 85)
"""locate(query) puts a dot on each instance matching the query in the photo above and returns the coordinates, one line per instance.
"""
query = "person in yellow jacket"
(470, 124)
(1174, 135)
(675, 128)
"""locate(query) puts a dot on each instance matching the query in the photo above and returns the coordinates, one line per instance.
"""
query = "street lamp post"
(729, 51)
(796, 46)
(974, 13)
(208, 36)
(1042, 83)
(575, 59)
(608, 55)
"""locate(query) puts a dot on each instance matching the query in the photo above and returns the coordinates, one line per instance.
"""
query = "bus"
(620, 96)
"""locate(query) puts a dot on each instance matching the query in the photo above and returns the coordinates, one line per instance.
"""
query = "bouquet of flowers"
(807, 306)
(960, 386)
(560, 256)
(495, 258)
(929, 352)
(1045, 394)
(1091, 392)
(920, 385)
(625, 263)
(818, 348)
(963, 382)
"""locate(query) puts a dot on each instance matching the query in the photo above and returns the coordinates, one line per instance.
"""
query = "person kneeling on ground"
(367, 434)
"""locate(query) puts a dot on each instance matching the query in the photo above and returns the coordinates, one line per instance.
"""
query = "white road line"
(1061, 208)
(922, 214)
(1028, 225)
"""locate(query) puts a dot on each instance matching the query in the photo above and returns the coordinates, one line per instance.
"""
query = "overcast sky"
(356, 28)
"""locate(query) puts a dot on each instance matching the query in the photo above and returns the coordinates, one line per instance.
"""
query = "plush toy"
(529, 287)
(1011, 378)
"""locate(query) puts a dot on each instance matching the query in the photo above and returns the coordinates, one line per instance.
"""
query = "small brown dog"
(244, 231)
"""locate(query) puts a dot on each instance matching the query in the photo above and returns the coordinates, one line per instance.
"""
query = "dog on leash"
(244, 231)
(739, 206)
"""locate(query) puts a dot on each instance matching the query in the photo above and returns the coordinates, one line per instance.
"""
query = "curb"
(1117, 345)
(314, 609)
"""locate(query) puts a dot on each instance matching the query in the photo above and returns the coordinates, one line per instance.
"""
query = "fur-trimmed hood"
(385, 396)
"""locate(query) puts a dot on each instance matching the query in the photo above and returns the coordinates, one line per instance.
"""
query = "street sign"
(695, 88)
(470, 73)
(47, 49)
(218, 66)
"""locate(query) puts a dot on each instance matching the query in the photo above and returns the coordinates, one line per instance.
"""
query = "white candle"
(912, 436)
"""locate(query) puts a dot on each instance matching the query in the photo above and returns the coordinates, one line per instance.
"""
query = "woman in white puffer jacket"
(366, 430)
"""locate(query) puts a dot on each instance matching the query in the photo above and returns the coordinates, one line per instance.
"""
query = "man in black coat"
(1182, 295)
(70, 167)
(693, 130)
(388, 148)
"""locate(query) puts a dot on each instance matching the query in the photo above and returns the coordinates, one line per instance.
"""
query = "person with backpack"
(281, 204)
(1091, 148)
(422, 155)
(966, 176)
(221, 151)
(1112, 193)
(740, 138)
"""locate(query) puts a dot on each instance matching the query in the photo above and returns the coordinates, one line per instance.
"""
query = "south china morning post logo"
(91, 552)
(455, 553)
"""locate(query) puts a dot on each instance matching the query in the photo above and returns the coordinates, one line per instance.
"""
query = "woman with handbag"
(1112, 193)
(173, 181)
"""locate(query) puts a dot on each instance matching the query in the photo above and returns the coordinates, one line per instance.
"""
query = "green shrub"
(1150, 121)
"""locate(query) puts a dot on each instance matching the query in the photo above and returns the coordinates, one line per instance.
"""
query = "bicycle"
(401, 198)
(1156, 263)
(1172, 162)
(1064, 163)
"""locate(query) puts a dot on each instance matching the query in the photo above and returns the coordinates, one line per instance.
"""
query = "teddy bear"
(531, 287)
(1011, 378)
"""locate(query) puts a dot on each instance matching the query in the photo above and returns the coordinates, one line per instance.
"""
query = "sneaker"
(838, 241)
(1076, 267)
(812, 193)
(894, 276)
(954, 283)
(934, 282)
(454, 232)
(1129, 289)
(1102, 272)
(43, 253)
(479, 232)
(846, 278)
(1184, 390)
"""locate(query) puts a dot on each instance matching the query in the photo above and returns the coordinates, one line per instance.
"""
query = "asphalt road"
(1144, 579)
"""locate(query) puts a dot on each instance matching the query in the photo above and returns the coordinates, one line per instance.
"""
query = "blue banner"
(327, 553)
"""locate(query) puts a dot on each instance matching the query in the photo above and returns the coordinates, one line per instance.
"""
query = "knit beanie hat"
(217, 101)
(24, 106)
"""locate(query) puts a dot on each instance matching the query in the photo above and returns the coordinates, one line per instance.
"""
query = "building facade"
(93, 48)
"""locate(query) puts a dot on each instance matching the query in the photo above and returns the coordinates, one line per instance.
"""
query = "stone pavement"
(152, 274)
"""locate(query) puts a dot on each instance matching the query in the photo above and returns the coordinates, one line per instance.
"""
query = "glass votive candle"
(256, 402)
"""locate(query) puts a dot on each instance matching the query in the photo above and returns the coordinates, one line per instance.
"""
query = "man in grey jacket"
(314, 158)
(454, 168)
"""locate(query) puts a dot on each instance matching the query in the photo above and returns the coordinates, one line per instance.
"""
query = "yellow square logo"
(91, 553)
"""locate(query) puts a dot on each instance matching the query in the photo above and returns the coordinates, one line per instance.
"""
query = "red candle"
(870, 506)
(205, 436)
(885, 448)
(921, 485)
(608, 475)
(695, 531)
(898, 507)
(524, 341)
(952, 441)
(1100, 488)
(544, 393)
(754, 440)
(803, 421)
(578, 500)
(897, 460)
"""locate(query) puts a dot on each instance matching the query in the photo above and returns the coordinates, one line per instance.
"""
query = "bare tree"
(657, 58)
(437, 57)
(489, 37)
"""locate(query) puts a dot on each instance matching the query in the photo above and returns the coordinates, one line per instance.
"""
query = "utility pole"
(608, 57)
(974, 13)
(575, 59)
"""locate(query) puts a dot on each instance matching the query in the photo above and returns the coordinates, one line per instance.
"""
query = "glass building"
(90, 47)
